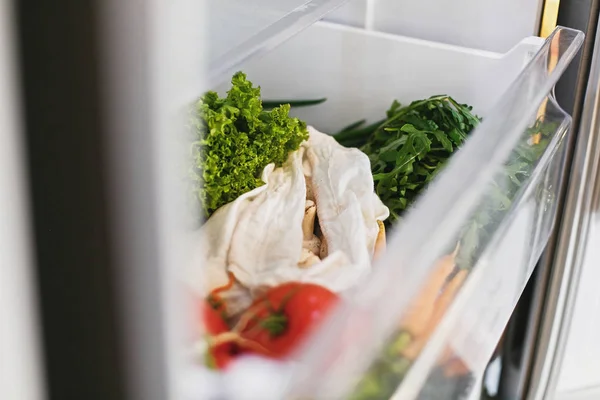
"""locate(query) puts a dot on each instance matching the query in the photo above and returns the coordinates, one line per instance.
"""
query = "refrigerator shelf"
(239, 29)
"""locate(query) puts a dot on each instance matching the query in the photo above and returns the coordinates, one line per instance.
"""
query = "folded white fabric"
(259, 237)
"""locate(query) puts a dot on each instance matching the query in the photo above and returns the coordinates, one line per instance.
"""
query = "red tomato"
(212, 314)
(212, 319)
(223, 354)
(213, 310)
(214, 324)
(282, 318)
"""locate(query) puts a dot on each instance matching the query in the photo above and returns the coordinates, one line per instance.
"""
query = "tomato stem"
(214, 299)
(276, 324)
(232, 337)
(245, 319)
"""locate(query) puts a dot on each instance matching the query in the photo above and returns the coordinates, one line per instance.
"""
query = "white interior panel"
(495, 25)
(361, 73)
(353, 13)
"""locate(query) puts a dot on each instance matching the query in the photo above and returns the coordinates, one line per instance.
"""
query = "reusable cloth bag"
(259, 237)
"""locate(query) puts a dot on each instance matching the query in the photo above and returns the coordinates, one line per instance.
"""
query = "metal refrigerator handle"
(570, 246)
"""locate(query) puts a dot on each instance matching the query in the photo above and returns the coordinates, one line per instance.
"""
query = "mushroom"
(310, 193)
(313, 245)
(308, 223)
(379, 241)
(307, 259)
(310, 241)
(324, 250)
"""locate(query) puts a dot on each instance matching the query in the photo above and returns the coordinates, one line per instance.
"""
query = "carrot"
(232, 337)
(379, 241)
(227, 286)
(414, 348)
(214, 298)
(451, 364)
(446, 356)
(456, 367)
(441, 305)
(421, 309)
(445, 299)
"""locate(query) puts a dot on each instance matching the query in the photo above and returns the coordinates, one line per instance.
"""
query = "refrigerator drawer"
(492, 207)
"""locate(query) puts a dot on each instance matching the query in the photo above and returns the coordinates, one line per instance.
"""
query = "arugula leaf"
(503, 191)
(410, 146)
(354, 125)
(388, 370)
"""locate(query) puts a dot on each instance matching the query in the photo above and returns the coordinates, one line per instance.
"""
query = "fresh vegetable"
(430, 305)
(380, 242)
(293, 103)
(410, 146)
(222, 355)
(423, 305)
(212, 319)
(213, 315)
(439, 310)
(456, 367)
(505, 188)
(235, 138)
(281, 319)
(390, 367)
(214, 299)
(274, 325)
(352, 126)
(406, 150)
(219, 355)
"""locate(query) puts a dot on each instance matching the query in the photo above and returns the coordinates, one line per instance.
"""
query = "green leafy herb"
(410, 146)
(354, 125)
(235, 138)
(293, 103)
(383, 377)
(503, 191)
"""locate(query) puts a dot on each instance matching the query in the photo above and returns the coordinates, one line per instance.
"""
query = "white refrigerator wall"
(494, 25)
(353, 13)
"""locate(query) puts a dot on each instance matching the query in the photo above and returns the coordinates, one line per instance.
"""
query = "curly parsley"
(235, 138)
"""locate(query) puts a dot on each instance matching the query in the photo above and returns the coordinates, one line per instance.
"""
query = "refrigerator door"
(21, 366)
(565, 353)
(578, 352)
